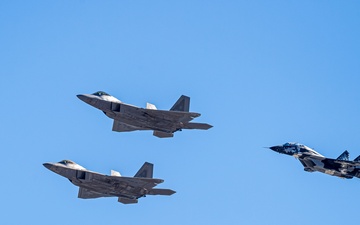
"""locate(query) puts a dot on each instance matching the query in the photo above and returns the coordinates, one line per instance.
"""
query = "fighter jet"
(95, 185)
(313, 161)
(130, 118)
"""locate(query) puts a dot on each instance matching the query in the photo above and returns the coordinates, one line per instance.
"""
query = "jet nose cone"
(48, 165)
(82, 97)
(277, 148)
(89, 99)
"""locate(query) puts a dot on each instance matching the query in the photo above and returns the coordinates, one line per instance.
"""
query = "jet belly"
(115, 189)
(138, 117)
(329, 167)
(108, 186)
(320, 166)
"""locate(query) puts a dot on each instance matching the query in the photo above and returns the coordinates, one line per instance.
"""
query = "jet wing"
(330, 161)
(147, 183)
(175, 116)
(86, 193)
(307, 163)
(123, 127)
(346, 163)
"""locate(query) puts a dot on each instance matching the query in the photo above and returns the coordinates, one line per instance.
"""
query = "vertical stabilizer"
(145, 171)
(182, 104)
(357, 159)
(344, 156)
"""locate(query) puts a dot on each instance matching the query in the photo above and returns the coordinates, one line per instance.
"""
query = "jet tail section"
(182, 104)
(145, 171)
(344, 156)
(159, 191)
(357, 159)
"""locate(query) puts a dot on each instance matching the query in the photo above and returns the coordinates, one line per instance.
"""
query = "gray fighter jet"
(95, 185)
(130, 118)
(313, 161)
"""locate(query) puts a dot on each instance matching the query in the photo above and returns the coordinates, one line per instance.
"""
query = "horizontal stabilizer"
(150, 106)
(127, 200)
(86, 194)
(182, 104)
(145, 171)
(201, 126)
(162, 134)
(344, 156)
(159, 191)
(357, 159)
(115, 173)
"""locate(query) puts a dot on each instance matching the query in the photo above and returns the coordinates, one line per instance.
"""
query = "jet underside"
(96, 185)
(147, 119)
(343, 169)
(131, 118)
(107, 186)
(99, 185)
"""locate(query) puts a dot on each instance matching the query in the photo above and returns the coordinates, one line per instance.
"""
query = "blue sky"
(262, 72)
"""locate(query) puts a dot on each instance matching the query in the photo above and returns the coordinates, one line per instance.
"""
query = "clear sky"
(262, 72)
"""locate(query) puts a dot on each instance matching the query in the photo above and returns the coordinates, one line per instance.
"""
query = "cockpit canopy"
(105, 96)
(71, 164)
(301, 148)
(101, 93)
(66, 162)
(289, 144)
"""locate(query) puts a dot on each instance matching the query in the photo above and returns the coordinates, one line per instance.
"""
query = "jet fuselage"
(94, 185)
(135, 118)
(313, 161)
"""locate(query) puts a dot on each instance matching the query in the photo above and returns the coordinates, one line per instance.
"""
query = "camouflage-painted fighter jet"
(313, 161)
(95, 185)
(130, 118)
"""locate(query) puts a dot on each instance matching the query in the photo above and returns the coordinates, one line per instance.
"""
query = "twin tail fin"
(145, 171)
(182, 104)
(344, 156)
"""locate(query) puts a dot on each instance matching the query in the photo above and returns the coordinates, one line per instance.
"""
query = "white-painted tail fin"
(150, 106)
(115, 173)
